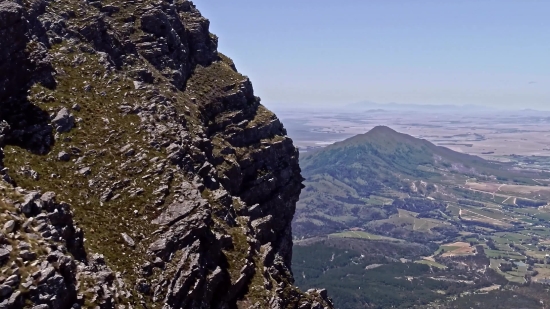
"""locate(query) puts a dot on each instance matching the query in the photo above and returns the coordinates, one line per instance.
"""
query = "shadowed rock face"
(182, 183)
(23, 60)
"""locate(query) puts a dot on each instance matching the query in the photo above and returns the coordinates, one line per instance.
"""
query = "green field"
(507, 237)
(503, 254)
(516, 275)
(453, 209)
(544, 216)
(363, 235)
(378, 200)
(431, 263)
(448, 248)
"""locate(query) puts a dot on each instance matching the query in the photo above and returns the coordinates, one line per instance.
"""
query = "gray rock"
(205, 169)
(76, 150)
(48, 198)
(127, 150)
(128, 240)
(4, 254)
(96, 4)
(34, 174)
(28, 206)
(106, 195)
(36, 274)
(147, 269)
(159, 245)
(138, 85)
(41, 227)
(158, 262)
(12, 280)
(23, 245)
(9, 226)
(15, 300)
(44, 274)
(76, 107)
(63, 156)
(27, 255)
(25, 226)
(110, 9)
(85, 171)
(104, 277)
(63, 121)
(4, 129)
(26, 284)
(5, 290)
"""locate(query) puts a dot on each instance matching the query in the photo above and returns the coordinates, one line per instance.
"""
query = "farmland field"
(431, 263)
(503, 190)
(361, 234)
(457, 248)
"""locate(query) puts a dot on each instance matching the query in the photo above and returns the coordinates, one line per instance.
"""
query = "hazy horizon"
(331, 53)
(349, 106)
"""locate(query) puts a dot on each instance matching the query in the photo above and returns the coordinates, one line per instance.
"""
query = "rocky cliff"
(138, 168)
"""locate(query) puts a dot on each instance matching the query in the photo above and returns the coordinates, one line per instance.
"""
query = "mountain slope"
(385, 148)
(138, 167)
(343, 178)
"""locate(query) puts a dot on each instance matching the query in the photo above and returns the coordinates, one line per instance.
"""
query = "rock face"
(45, 261)
(182, 185)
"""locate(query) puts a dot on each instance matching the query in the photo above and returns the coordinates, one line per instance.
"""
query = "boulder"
(63, 121)
(128, 240)
(9, 226)
(63, 156)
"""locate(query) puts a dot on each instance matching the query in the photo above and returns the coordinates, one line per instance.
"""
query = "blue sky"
(319, 52)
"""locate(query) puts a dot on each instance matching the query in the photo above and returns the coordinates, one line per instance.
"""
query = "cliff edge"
(138, 168)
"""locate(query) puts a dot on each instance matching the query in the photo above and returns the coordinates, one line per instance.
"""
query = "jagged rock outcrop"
(43, 257)
(182, 185)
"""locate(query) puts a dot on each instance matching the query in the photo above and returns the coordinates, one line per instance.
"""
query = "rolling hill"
(364, 182)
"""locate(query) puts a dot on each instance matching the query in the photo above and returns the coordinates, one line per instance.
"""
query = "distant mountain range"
(367, 105)
(373, 107)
